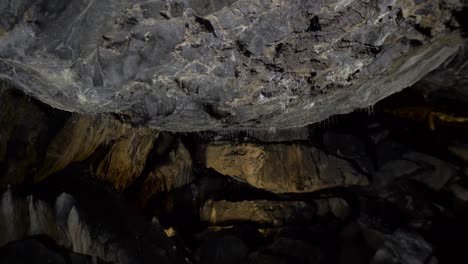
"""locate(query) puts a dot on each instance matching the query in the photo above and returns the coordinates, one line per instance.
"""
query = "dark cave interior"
(411, 148)
(331, 131)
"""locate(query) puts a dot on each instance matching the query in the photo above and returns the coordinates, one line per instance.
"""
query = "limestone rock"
(269, 213)
(450, 80)
(282, 168)
(114, 235)
(81, 137)
(174, 172)
(221, 65)
(37, 141)
(126, 159)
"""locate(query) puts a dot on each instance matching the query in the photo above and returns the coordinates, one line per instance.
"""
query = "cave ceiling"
(194, 65)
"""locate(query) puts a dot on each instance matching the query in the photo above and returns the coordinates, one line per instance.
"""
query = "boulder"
(282, 168)
(173, 171)
(261, 212)
(126, 159)
(37, 141)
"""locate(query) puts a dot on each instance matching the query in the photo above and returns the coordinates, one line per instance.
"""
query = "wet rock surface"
(222, 65)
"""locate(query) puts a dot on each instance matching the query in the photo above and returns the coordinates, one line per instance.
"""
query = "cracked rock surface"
(222, 65)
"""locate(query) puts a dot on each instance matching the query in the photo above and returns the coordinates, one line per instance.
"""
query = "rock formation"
(282, 168)
(217, 65)
(233, 131)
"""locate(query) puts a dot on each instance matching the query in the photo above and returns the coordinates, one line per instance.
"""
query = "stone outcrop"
(37, 141)
(66, 220)
(266, 213)
(173, 172)
(124, 158)
(450, 80)
(221, 65)
(282, 168)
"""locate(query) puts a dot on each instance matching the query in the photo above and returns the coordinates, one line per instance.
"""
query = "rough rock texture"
(213, 65)
(115, 236)
(36, 141)
(450, 80)
(173, 172)
(269, 213)
(81, 137)
(126, 159)
(282, 168)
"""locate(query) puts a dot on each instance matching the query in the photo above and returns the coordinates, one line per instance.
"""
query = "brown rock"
(126, 159)
(173, 173)
(77, 140)
(82, 135)
(271, 213)
(37, 141)
(282, 168)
